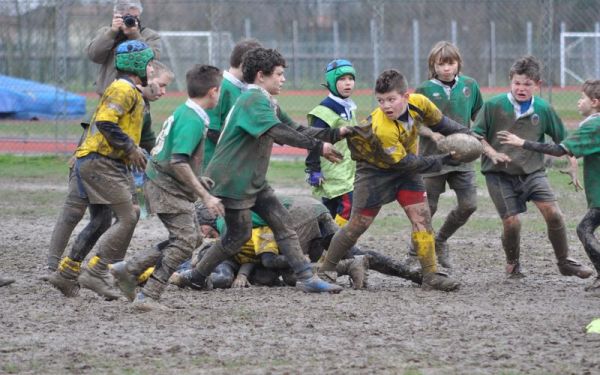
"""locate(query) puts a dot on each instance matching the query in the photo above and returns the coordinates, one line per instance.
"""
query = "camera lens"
(129, 20)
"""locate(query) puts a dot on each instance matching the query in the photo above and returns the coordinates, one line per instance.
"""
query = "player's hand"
(137, 159)
(449, 159)
(498, 157)
(436, 137)
(508, 138)
(315, 178)
(572, 171)
(330, 153)
(345, 131)
(241, 281)
(214, 205)
(117, 22)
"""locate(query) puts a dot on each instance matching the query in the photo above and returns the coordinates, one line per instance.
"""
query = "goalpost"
(182, 49)
(579, 57)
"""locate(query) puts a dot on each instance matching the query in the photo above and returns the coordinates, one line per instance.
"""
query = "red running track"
(48, 146)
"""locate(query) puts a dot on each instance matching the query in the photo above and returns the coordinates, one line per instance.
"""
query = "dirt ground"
(490, 326)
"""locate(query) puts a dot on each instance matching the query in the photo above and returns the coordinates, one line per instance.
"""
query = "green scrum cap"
(334, 71)
(132, 57)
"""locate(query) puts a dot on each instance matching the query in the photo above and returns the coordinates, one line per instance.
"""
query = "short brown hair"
(443, 52)
(591, 88)
(391, 80)
(243, 46)
(160, 68)
(528, 66)
(201, 78)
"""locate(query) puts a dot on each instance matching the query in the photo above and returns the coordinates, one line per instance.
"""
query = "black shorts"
(510, 194)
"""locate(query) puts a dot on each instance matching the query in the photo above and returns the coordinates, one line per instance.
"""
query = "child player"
(239, 168)
(172, 187)
(584, 142)
(388, 169)
(231, 88)
(107, 152)
(333, 183)
(516, 175)
(459, 98)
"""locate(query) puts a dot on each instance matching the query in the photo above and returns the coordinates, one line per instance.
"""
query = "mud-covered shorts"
(374, 187)
(459, 180)
(162, 201)
(510, 194)
(103, 180)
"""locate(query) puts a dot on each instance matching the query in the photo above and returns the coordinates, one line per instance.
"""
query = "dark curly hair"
(391, 80)
(260, 60)
(528, 66)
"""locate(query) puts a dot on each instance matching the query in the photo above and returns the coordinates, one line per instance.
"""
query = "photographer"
(125, 25)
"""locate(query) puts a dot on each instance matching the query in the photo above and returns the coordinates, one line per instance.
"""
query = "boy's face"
(213, 96)
(345, 85)
(157, 87)
(392, 103)
(446, 71)
(586, 106)
(272, 83)
(522, 87)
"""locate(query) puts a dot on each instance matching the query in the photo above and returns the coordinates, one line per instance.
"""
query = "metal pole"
(597, 50)
(247, 28)
(492, 75)
(375, 44)
(295, 51)
(336, 40)
(416, 64)
(529, 38)
(454, 32)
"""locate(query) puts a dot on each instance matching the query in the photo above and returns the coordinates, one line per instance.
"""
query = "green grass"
(296, 106)
(46, 167)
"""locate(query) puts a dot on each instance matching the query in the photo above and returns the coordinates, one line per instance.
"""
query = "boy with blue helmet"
(333, 183)
(110, 147)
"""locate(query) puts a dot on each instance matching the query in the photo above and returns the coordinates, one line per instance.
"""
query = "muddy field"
(491, 326)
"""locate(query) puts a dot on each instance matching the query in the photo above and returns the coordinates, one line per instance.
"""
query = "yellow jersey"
(122, 103)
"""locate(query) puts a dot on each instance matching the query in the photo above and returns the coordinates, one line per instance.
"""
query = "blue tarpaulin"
(22, 99)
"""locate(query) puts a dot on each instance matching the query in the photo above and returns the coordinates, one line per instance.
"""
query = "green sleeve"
(555, 127)
(477, 101)
(481, 124)
(584, 141)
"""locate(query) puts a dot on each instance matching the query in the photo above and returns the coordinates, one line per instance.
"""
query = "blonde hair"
(443, 52)
(160, 68)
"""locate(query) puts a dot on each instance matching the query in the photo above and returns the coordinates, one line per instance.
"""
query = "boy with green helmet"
(110, 147)
(333, 183)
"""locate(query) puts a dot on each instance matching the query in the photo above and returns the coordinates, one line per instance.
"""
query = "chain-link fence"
(45, 40)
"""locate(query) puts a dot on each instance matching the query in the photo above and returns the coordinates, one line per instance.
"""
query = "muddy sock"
(386, 265)
(511, 240)
(290, 248)
(339, 247)
(68, 218)
(142, 260)
(154, 288)
(100, 221)
(98, 266)
(425, 247)
(467, 205)
(215, 255)
(558, 237)
(585, 232)
(69, 268)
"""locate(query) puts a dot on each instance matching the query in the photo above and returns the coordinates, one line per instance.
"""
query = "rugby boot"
(594, 288)
(314, 284)
(65, 277)
(356, 268)
(425, 247)
(4, 281)
(514, 271)
(187, 279)
(96, 278)
(175, 279)
(571, 267)
(144, 303)
(125, 280)
(443, 254)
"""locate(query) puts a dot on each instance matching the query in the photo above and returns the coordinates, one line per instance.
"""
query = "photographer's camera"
(129, 20)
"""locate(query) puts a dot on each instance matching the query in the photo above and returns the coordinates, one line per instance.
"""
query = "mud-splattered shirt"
(231, 89)
(585, 141)
(502, 112)
(182, 133)
(122, 104)
(461, 103)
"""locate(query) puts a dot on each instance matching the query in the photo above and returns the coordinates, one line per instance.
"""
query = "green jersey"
(585, 142)
(231, 89)
(182, 133)
(503, 112)
(461, 102)
(239, 165)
